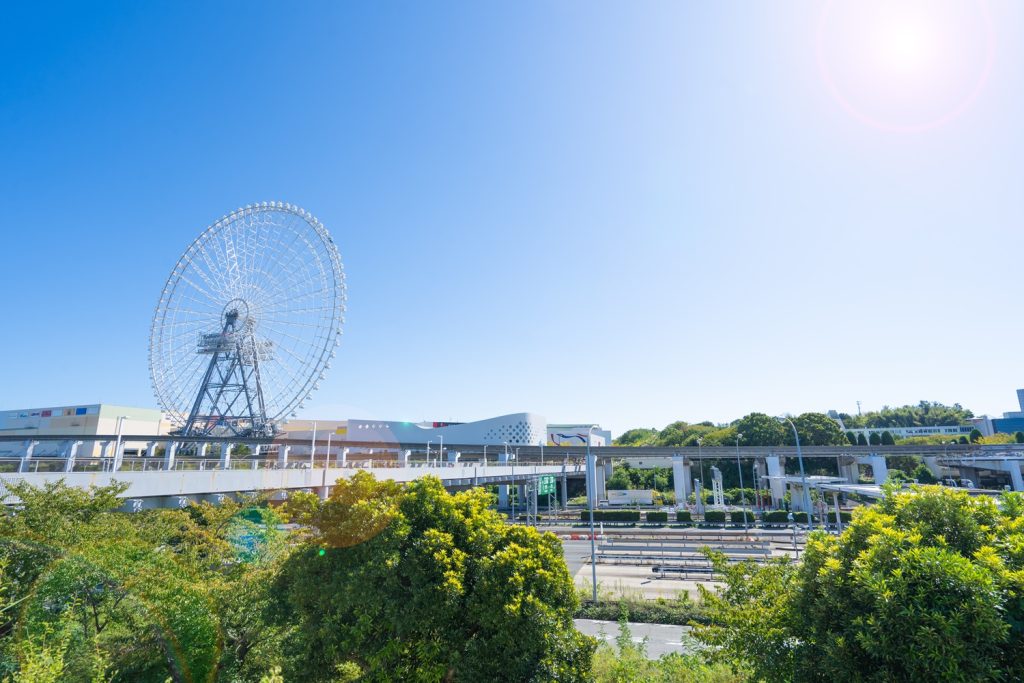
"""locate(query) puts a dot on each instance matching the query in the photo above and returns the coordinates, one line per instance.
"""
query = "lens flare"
(905, 65)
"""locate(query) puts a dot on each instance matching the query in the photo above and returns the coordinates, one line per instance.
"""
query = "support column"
(169, 453)
(453, 456)
(933, 466)
(835, 503)
(69, 461)
(682, 483)
(104, 449)
(405, 455)
(225, 455)
(282, 456)
(26, 459)
(502, 488)
(1013, 467)
(203, 450)
(565, 487)
(602, 491)
(879, 472)
(151, 449)
(849, 469)
(775, 479)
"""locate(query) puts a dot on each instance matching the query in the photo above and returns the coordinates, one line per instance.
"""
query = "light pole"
(803, 477)
(440, 452)
(513, 490)
(485, 455)
(743, 497)
(117, 444)
(592, 485)
(428, 452)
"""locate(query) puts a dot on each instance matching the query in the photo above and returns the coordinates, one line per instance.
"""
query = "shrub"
(714, 517)
(775, 517)
(657, 517)
(684, 516)
(611, 515)
(738, 517)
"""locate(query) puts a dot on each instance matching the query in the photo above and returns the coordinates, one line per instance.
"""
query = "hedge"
(775, 517)
(737, 517)
(714, 517)
(684, 516)
(657, 517)
(611, 515)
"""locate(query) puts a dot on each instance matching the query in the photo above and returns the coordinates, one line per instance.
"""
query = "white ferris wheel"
(248, 322)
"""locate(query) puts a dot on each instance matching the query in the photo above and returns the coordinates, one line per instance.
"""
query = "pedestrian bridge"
(176, 488)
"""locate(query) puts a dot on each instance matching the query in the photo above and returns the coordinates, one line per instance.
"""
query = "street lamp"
(803, 477)
(592, 485)
(440, 452)
(513, 490)
(428, 452)
(743, 497)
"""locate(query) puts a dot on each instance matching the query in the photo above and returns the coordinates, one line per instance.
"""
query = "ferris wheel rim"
(171, 389)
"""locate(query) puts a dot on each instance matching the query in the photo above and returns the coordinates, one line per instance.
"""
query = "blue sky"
(629, 213)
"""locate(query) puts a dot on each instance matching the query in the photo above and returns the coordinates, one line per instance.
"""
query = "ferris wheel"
(248, 322)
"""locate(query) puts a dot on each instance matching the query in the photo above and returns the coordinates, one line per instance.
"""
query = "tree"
(887, 439)
(852, 438)
(637, 437)
(867, 602)
(963, 440)
(861, 439)
(817, 429)
(975, 436)
(418, 584)
(759, 429)
(1018, 437)
(875, 439)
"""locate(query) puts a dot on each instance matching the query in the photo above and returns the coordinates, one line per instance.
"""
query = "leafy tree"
(875, 439)
(861, 439)
(963, 440)
(975, 436)
(924, 414)
(924, 475)
(759, 429)
(817, 429)
(925, 586)
(887, 439)
(637, 437)
(417, 584)
(1018, 437)
(852, 438)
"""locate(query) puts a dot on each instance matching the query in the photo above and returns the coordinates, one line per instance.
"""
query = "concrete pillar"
(282, 456)
(344, 457)
(681, 479)
(225, 455)
(169, 453)
(775, 479)
(796, 497)
(879, 471)
(1013, 467)
(835, 503)
(203, 450)
(151, 449)
(502, 488)
(104, 449)
(69, 460)
(932, 464)
(565, 488)
(453, 456)
(26, 459)
(849, 469)
(602, 490)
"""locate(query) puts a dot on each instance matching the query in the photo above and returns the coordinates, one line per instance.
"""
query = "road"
(577, 554)
(661, 638)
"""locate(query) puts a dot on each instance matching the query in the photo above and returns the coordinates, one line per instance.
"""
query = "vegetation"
(611, 515)
(681, 610)
(925, 586)
(627, 662)
(924, 414)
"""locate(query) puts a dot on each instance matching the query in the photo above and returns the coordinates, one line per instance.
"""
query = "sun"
(905, 65)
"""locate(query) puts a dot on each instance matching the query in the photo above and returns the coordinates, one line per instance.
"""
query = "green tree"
(925, 586)
(759, 429)
(852, 438)
(975, 436)
(1018, 437)
(637, 437)
(887, 439)
(875, 439)
(861, 439)
(817, 429)
(417, 584)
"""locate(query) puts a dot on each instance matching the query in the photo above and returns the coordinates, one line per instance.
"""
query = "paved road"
(577, 554)
(661, 638)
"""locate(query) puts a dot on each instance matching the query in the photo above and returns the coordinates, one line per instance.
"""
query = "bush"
(775, 517)
(657, 517)
(611, 515)
(714, 517)
(738, 517)
(684, 517)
